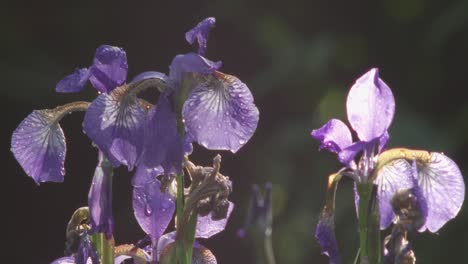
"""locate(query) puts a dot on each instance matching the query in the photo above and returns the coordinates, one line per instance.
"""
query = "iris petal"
(207, 227)
(100, 198)
(347, 155)
(370, 106)
(109, 69)
(442, 186)
(144, 175)
(38, 143)
(220, 113)
(153, 209)
(64, 260)
(200, 33)
(333, 136)
(394, 176)
(74, 82)
(115, 123)
(150, 75)
(190, 63)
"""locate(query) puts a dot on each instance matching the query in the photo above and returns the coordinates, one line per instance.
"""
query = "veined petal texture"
(220, 112)
(442, 185)
(200, 33)
(74, 82)
(391, 178)
(115, 123)
(207, 227)
(153, 209)
(38, 144)
(109, 69)
(333, 136)
(370, 106)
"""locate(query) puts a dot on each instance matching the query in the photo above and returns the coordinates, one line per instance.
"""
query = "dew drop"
(148, 209)
(241, 141)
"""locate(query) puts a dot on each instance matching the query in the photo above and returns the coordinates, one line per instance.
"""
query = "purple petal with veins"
(109, 69)
(144, 175)
(207, 227)
(391, 178)
(115, 123)
(333, 136)
(442, 185)
(220, 112)
(200, 33)
(153, 209)
(38, 144)
(370, 106)
(74, 82)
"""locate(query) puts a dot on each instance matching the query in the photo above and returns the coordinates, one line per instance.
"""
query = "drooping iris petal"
(370, 106)
(144, 175)
(115, 123)
(220, 113)
(100, 198)
(153, 209)
(347, 155)
(74, 82)
(391, 178)
(442, 186)
(190, 63)
(200, 33)
(207, 227)
(109, 69)
(150, 75)
(38, 144)
(333, 136)
(325, 235)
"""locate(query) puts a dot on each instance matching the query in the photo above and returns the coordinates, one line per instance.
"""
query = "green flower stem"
(104, 247)
(364, 191)
(179, 249)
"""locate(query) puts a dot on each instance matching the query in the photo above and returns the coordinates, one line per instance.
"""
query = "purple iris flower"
(217, 109)
(370, 109)
(100, 198)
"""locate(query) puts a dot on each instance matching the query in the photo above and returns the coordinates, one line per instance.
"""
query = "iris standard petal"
(220, 112)
(100, 198)
(38, 144)
(333, 136)
(190, 63)
(74, 82)
(200, 33)
(109, 69)
(153, 209)
(370, 106)
(347, 155)
(115, 123)
(391, 178)
(442, 185)
(207, 227)
(144, 175)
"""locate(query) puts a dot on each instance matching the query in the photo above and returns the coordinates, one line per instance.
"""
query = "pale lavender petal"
(325, 235)
(64, 260)
(153, 209)
(74, 82)
(38, 144)
(370, 106)
(144, 175)
(200, 33)
(150, 75)
(333, 136)
(347, 155)
(220, 113)
(109, 69)
(100, 198)
(120, 259)
(115, 123)
(190, 63)
(383, 141)
(391, 178)
(164, 241)
(442, 186)
(207, 227)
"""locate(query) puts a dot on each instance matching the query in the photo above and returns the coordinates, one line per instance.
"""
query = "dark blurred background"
(299, 58)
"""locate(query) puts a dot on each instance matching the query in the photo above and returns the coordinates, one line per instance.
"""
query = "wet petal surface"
(220, 113)
(109, 69)
(38, 144)
(333, 136)
(207, 227)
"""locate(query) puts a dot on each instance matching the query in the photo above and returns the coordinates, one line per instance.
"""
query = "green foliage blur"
(299, 58)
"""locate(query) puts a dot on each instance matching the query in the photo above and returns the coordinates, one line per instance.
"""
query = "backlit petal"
(220, 113)
(333, 136)
(109, 69)
(207, 227)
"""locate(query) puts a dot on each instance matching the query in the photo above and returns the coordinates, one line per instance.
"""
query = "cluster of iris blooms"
(197, 103)
(414, 190)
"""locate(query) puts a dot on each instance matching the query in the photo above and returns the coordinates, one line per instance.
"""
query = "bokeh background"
(299, 58)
